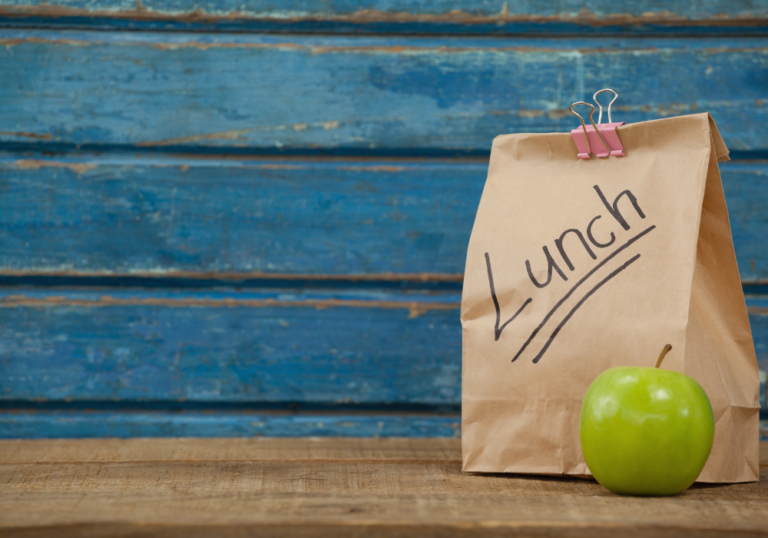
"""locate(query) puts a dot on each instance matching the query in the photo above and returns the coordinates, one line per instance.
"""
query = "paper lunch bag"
(575, 266)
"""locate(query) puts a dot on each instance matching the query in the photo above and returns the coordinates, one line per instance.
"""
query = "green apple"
(646, 431)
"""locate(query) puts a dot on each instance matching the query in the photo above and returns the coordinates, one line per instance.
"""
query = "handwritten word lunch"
(553, 266)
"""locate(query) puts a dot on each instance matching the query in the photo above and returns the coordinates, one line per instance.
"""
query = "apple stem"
(664, 352)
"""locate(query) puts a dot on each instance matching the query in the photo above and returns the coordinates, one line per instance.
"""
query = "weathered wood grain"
(462, 17)
(395, 95)
(746, 189)
(116, 350)
(288, 346)
(277, 346)
(126, 423)
(758, 320)
(313, 496)
(320, 449)
(325, 449)
(255, 218)
(162, 216)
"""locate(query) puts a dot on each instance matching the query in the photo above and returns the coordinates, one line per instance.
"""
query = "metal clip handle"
(600, 115)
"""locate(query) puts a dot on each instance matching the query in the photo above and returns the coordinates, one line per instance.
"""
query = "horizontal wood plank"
(326, 449)
(461, 17)
(288, 346)
(236, 218)
(395, 95)
(255, 347)
(329, 449)
(124, 424)
(317, 497)
(37, 425)
(232, 217)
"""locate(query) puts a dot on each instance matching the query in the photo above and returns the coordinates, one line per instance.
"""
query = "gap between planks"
(741, 14)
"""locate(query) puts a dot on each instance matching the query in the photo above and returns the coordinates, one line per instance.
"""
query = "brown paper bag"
(576, 266)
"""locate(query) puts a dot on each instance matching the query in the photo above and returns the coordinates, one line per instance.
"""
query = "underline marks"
(581, 302)
(573, 289)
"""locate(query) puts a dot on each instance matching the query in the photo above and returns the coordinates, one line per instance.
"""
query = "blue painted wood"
(42, 425)
(758, 319)
(407, 16)
(64, 349)
(393, 95)
(341, 347)
(290, 346)
(240, 218)
(581, 10)
(746, 193)
(156, 216)
(63, 424)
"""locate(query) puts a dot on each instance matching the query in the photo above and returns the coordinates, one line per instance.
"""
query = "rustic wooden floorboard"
(330, 487)
(319, 449)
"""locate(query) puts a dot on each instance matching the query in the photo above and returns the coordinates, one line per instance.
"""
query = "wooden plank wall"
(250, 218)
(462, 17)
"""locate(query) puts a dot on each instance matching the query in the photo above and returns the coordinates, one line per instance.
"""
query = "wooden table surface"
(311, 487)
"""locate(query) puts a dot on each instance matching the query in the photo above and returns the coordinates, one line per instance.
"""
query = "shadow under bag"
(578, 265)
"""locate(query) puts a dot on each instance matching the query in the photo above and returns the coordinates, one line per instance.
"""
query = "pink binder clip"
(602, 137)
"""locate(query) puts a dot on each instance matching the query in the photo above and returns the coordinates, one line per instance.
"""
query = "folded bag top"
(578, 265)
